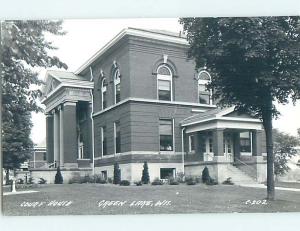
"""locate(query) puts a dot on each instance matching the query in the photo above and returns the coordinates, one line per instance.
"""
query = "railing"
(252, 169)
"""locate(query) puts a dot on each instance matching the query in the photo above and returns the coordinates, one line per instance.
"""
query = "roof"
(161, 35)
(65, 75)
(208, 115)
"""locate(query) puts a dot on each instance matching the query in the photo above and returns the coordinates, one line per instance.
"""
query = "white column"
(56, 136)
(61, 135)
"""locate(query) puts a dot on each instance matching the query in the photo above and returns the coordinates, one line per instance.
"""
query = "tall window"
(166, 134)
(192, 143)
(103, 137)
(117, 84)
(164, 83)
(204, 95)
(117, 137)
(245, 141)
(104, 93)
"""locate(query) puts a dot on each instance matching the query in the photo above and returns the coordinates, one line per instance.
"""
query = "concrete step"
(238, 177)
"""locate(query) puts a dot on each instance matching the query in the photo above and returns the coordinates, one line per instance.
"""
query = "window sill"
(166, 152)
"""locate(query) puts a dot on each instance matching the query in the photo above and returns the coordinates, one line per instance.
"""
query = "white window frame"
(115, 136)
(117, 80)
(103, 89)
(102, 140)
(251, 148)
(164, 78)
(204, 82)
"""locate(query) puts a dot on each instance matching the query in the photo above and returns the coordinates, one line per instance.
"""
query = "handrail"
(250, 167)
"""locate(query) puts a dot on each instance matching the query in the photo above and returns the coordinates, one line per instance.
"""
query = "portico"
(67, 98)
(221, 139)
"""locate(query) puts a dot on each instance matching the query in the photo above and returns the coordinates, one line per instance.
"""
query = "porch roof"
(220, 118)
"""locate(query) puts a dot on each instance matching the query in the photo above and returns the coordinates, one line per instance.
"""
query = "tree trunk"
(267, 122)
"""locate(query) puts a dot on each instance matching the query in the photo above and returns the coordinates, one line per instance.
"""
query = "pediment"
(51, 84)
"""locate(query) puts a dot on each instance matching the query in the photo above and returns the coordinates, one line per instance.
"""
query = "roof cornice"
(132, 32)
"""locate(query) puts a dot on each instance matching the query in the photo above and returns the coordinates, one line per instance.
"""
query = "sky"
(86, 37)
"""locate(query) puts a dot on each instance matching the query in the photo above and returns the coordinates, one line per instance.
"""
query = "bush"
(173, 181)
(109, 180)
(87, 179)
(157, 181)
(58, 177)
(190, 180)
(99, 179)
(145, 175)
(180, 177)
(206, 179)
(30, 180)
(75, 179)
(42, 181)
(138, 183)
(117, 174)
(124, 183)
(228, 181)
(20, 181)
(205, 175)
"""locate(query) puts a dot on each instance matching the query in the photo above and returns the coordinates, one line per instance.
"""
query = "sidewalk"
(18, 192)
(264, 186)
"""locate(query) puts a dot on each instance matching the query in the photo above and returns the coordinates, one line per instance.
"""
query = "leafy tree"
(117, 174)
(58, 177)
(24, 48)
(253, 61)
(145, 175)
(283, 150)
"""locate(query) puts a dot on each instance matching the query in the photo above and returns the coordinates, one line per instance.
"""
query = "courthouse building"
(138, 99)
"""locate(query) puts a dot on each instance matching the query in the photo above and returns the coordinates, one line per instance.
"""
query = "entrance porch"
(228, 143)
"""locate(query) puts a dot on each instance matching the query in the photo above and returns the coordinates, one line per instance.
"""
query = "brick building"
(140, 99)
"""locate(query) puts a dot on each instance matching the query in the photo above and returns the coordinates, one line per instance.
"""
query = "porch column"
(237, 145)
(56, 136)
(218, 147)
(256, 143)
(61, 135)
(49, 137)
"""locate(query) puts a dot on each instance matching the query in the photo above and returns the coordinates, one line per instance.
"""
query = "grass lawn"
(86, 198)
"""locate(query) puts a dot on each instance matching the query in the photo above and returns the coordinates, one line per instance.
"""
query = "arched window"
(104, 93)
(204, 95)
(117, 86)
(164, 83)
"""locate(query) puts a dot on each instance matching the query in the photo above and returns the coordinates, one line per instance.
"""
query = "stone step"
(239, 177)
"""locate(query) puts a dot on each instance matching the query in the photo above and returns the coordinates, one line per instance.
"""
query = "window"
(117, 137)
(166, 173)
(44, 156)
(166, 134)
(103, 137)
(117, 84)
(191, 143)
(210, 144)
(104, 93)
(204, 95)
(164, 83)
(104, 175)
(245, 141)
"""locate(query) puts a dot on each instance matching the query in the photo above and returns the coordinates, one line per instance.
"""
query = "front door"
(228, 150)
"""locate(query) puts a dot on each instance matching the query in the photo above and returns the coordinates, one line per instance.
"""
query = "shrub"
(138, 183)
(157, 181)
(145, 175)
(42, 181)
(30, 180)
(206, 179)
(180, 177)
(20, 181)
(99, 179)
(75, 179)
(109, 180)
(58, 177)
(205, 175)
(190, 180)
(124, 183)
(87, 179)
(228, 181)
(173, 181)
(117, 174)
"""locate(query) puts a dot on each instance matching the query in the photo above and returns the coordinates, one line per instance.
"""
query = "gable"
(51, 85)
(238, 115)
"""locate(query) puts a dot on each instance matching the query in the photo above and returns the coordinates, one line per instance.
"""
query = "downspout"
(93, 138)
(182, 147)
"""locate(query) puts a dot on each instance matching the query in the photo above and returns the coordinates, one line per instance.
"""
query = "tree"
(253, 62)
(117, 174)
(24, 48)
(58, 177)
(145, 175)
(284, 149)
